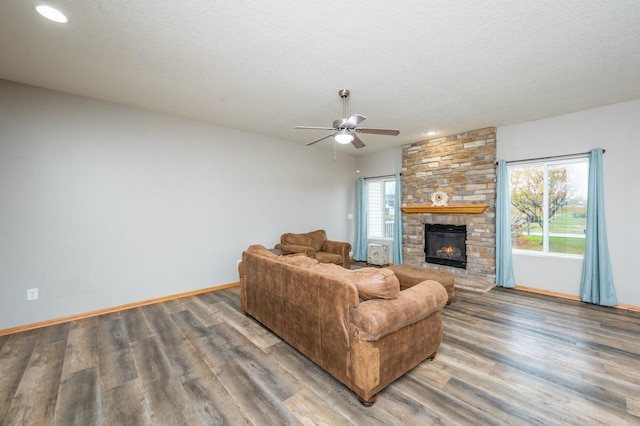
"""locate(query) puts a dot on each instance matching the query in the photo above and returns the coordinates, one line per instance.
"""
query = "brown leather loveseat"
(355, 324)
(315, 245)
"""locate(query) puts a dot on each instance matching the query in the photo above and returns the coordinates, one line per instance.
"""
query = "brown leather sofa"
(355, 324)
(315, 245)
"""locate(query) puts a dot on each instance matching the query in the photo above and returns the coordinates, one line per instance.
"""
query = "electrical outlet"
(32, 294)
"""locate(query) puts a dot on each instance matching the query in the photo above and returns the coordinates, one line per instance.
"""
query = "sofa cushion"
(317, 239)
(296, 239)
(300, 260)
(261, 250)
(333, 270)
(375, 283)
(325, 257)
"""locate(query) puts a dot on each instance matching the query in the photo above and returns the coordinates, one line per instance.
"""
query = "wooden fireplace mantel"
(473, 208)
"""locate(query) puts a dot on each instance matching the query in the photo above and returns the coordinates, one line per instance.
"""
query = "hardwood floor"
(508, 357)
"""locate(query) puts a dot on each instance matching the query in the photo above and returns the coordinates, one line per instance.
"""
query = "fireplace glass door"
(446, 245)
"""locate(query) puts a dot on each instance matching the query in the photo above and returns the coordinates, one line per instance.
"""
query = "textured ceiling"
(266, 66)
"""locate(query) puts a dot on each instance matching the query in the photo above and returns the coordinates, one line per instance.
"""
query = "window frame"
(385, 181)
(546, 165)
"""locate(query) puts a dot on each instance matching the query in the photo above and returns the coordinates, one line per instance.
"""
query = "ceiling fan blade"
(354, 120)
(357, 142)
(322, 138)
(313, 128)
(388, 132)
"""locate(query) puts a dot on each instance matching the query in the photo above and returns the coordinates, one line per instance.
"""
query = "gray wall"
(382, 163)
(617, 129)
(103, 205)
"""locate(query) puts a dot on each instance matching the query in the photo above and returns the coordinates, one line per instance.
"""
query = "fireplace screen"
(446, 245)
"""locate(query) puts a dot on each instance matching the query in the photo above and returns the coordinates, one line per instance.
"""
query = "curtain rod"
(383, 176)
(553, 157)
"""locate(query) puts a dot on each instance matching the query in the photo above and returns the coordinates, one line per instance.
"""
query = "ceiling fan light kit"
(343, 137)
(52, 14)
(345, 129)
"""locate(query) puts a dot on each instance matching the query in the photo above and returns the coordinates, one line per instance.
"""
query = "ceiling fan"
(345, 129)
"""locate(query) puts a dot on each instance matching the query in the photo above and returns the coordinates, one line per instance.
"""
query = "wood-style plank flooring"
(508, 357)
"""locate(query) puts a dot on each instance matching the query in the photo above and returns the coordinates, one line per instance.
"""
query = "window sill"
(542, 254)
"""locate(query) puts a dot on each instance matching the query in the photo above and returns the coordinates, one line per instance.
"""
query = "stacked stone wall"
(462, 166)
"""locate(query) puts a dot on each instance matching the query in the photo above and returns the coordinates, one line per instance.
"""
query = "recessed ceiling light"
(51, 13)
(432, 133)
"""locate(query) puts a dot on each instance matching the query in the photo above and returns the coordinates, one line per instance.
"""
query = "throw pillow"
(376, 283)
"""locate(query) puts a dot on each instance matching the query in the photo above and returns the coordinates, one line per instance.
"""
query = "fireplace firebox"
(446, 245)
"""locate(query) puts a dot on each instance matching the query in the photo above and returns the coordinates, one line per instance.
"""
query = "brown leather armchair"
(315, 245)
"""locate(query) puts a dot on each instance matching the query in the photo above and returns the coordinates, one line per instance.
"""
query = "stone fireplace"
(462, 166)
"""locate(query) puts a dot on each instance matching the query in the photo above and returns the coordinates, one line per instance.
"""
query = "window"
(549, 206)
(381, 193)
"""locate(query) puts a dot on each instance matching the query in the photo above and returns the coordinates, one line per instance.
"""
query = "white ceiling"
(265, 66)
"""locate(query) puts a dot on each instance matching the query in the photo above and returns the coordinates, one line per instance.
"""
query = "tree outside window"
(548, 206)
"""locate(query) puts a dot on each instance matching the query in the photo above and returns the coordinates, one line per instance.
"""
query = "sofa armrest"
(295, 248)
(336, 247)
(377, 318)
